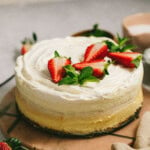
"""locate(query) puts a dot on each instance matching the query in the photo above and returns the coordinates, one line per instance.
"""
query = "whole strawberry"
(4, 146)
(27, 43)
(56, 67)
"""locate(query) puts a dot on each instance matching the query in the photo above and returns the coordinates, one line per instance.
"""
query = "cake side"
(80, 125)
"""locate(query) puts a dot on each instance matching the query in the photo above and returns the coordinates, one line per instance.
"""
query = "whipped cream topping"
(35, 85)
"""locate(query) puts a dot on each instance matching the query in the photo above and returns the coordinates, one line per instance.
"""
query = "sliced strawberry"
(99, 66)
(96, 51)
(25, 48)
(127, 59)
(27, 43)
(55, 67)
(4, 146)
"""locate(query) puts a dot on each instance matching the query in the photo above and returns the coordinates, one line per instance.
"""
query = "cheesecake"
(76, 109)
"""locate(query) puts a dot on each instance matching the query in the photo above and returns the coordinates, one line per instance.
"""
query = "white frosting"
(139, 29)
(34, 83)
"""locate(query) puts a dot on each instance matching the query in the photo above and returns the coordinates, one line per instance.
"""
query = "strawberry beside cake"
(79, 85)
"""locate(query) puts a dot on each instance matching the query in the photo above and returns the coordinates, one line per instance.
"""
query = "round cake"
(94, 107)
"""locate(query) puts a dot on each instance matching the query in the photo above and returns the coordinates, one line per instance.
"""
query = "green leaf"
(122, 45)
(106, 67)
(85, 72)
(137, 61)
(34, 36)
(109, 44)
(15, 144)
(56, 54)
(86, 76)
(89, 79)
(128, 47)
(68, 81)
(123, 41)
(69, 68)
(71, 71)
(73, 77)
(118, 38)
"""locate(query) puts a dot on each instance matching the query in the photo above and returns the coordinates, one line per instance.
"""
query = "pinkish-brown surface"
(39, 140)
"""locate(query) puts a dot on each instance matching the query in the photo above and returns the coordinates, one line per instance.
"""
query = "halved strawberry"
(25, 48)
(4, 146)
(96, 51)
(27, 43)
(127, 59)
(99, 66)
(55, 67)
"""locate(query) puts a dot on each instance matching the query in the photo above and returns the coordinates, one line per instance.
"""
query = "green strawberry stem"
(137, 61)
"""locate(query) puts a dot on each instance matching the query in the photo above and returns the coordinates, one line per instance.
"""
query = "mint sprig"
(56, 54)
(73, 77)
(86, 76)
(122, 45)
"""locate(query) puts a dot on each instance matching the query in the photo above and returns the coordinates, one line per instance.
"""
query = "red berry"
(97, 65)
(96, 51)
(25, 48)
(126, 58)
(4, 146)
(55, 67)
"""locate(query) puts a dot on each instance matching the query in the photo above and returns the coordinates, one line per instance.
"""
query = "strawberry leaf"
(137, 60)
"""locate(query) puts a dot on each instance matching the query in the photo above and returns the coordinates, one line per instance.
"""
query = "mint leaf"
(89, 79)
(73, 77)
(71, 71)
(86, 76)
(128, 47)
(85, 72)
(69, 68)
(68, 81)
(122, 45)
(137, 60)
(56, 54)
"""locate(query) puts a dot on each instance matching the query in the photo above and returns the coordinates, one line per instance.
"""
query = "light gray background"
(55, 18)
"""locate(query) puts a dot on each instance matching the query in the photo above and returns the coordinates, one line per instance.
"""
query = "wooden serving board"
(12, 125)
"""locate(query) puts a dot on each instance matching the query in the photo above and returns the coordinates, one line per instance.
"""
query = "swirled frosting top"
(33, 78)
